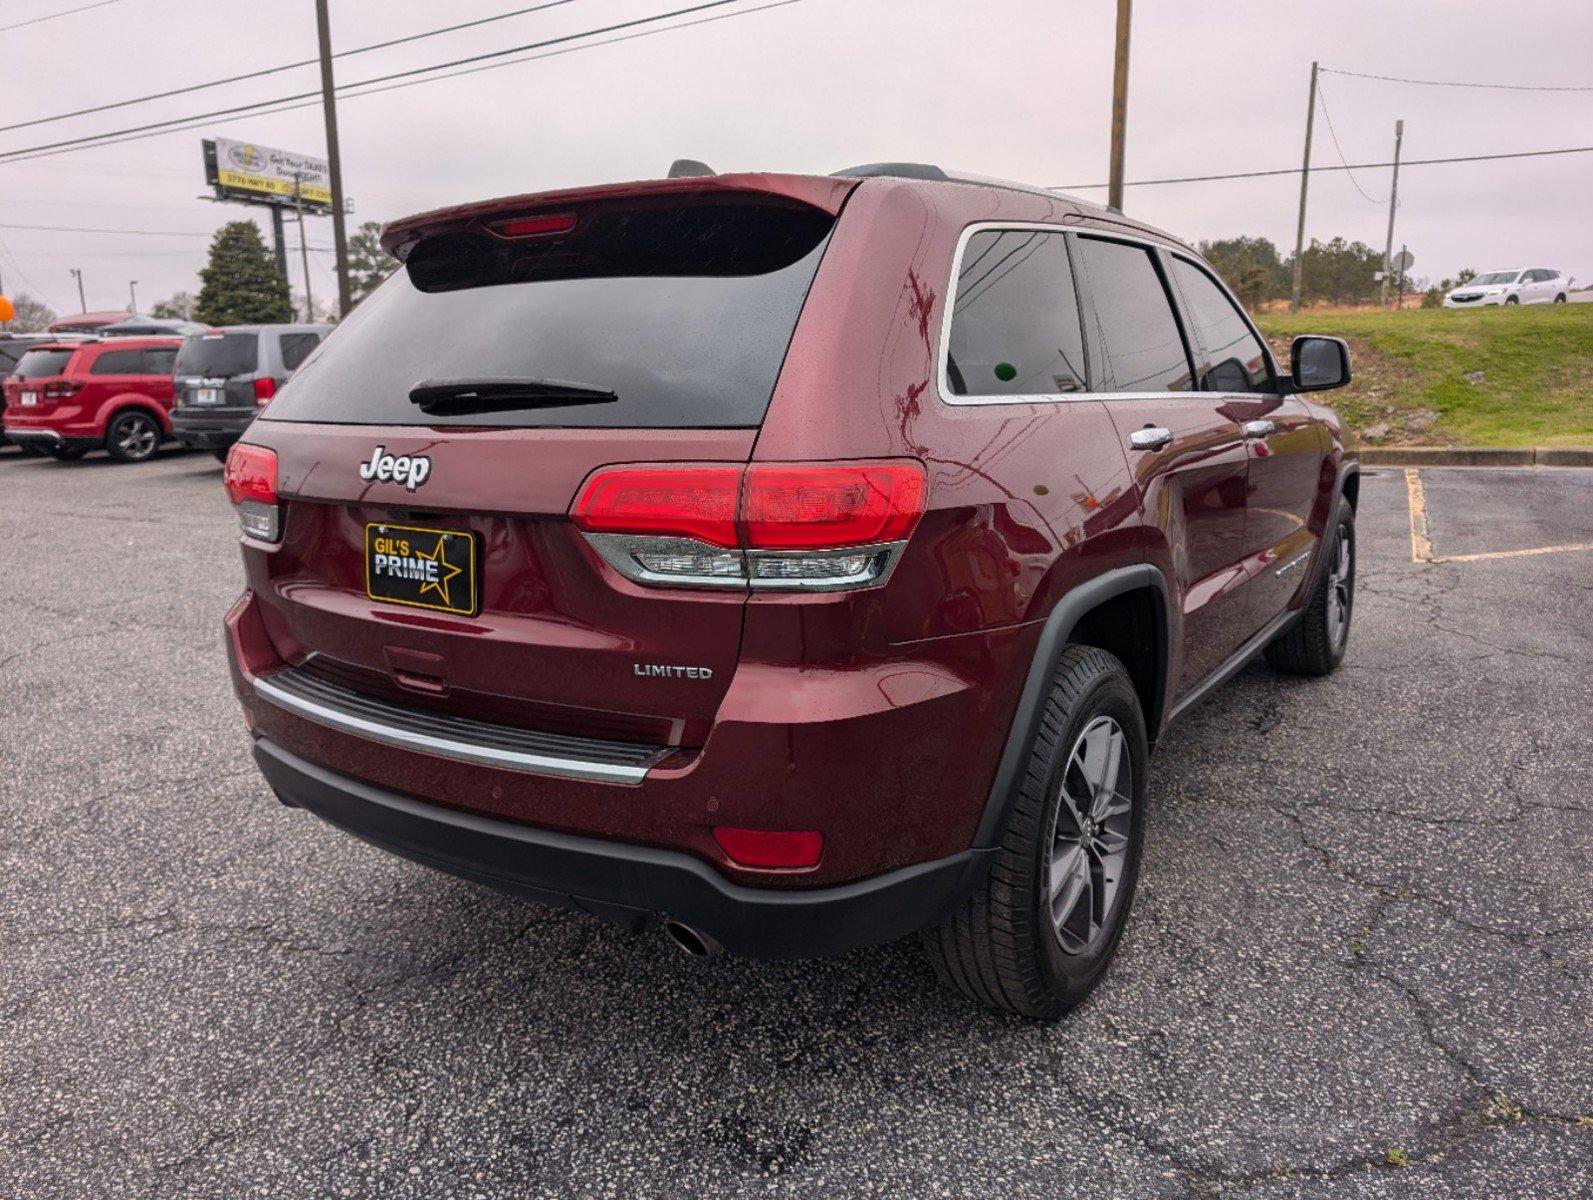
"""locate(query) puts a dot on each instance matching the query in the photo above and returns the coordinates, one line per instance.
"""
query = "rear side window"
(119, 362)
(1231, 358)
(217, 356)
(42, 364)
(159, 360)
(296, 348)
(1143, 350)
(1015, 320)
(670, 316)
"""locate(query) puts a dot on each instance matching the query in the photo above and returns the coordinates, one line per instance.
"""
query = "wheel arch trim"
(1054, 635)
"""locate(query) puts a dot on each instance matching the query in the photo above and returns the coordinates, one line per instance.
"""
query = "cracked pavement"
(1364, 935)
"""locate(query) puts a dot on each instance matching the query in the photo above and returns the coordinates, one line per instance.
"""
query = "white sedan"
(1526, 285)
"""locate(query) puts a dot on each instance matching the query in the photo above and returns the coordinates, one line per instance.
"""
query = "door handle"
(1152, 437)
(1258, 429)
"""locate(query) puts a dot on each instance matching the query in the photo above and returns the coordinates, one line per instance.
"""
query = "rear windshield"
(42, 364)
(673, 316)
(218, 355)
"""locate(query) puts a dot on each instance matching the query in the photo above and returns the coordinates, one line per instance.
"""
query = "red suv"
(73, 397)
(807, 561)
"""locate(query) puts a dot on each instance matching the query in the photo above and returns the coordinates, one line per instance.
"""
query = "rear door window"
(218, 356)
(118, 362)
(1142, 348)
(682, 312)
(296, 348)
(159, 360)
(43, 364)
(1231, 357)
(1015, 320)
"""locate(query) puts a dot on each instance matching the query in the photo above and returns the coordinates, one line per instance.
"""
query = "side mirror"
(1318, 364)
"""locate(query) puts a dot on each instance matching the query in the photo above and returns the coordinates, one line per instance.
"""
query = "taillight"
(264, 389)
(251, 479)
(63, 389)
(794, 526)
(691, 502)
(537, 226)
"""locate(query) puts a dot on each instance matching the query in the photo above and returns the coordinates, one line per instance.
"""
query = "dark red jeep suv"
(807, 561)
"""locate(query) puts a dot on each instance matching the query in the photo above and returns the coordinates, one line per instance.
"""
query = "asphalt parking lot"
(1361, 962)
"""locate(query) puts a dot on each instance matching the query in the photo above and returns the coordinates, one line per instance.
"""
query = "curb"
(1460, 456)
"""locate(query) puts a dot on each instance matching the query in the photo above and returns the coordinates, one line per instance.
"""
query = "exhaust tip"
(693, 941)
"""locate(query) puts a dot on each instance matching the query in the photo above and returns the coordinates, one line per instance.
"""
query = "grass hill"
(1440, 377)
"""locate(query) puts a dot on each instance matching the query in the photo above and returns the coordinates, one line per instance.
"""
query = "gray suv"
(225, 376)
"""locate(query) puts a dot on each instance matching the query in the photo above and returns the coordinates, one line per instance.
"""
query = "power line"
(1465, 83)
(102, 229)
(8, 155)
(1328, 117)
(288, 104)
(277, 70)
(1408, 162)
(52, 16)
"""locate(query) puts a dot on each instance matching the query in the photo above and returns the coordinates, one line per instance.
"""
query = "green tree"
(241, 285)
(1341, 272)
(33, 315)
(1250, 266)
(1465, 276)
(368, 263)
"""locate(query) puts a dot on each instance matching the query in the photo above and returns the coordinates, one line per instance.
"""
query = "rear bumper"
(209, 430)
(628, 882)
(24, 436)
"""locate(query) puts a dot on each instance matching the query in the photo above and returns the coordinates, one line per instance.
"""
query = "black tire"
(1314, 644)
(134, 436)
(1512, 299)
(68, 453)
(219, 455)
(1004, 948)
(1560, 299)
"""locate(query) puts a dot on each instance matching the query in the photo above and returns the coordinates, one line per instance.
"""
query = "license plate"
(29, 399)
(207, 395)
(423, 568)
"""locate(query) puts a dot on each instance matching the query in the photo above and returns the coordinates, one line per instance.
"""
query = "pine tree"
(368, 263)
(241, 285)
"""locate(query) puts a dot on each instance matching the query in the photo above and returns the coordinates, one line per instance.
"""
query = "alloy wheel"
(1341, 589)
(136, 439)
(1089, 852)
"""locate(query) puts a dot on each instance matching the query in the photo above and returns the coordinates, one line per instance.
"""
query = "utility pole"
(132, 296)
(77, 273)
(281, 244)
(334, 162)
(1393, 202)
(304, 252)
(1114, 190)
(1305, 179)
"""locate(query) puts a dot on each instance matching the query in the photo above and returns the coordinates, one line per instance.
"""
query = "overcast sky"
(1013, 88)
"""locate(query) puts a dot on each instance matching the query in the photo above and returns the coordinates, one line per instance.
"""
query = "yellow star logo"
(449, 572)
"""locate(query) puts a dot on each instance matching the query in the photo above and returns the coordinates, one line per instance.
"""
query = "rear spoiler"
(824, 193)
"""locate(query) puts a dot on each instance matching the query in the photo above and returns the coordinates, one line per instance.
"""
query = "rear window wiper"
(449, 397)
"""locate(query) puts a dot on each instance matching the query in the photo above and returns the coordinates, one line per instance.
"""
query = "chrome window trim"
(487, 756)
(943, 350)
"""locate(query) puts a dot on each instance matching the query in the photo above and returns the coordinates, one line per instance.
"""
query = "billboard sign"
(266, 175)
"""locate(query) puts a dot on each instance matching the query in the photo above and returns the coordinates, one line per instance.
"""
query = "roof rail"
(910, 170)
(901, 170)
